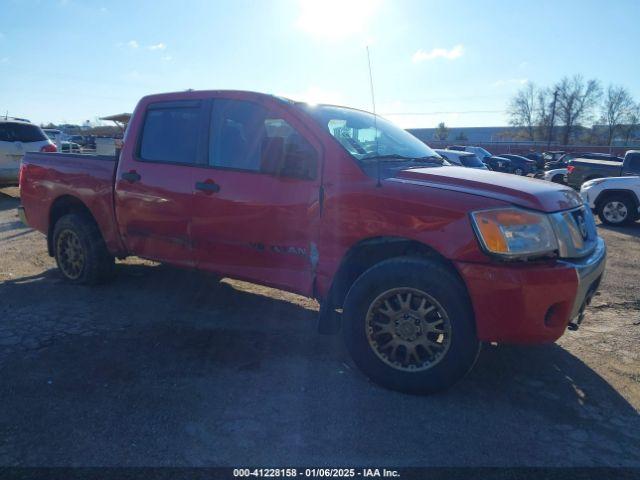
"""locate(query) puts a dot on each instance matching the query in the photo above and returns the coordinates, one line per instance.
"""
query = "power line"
(464, 112)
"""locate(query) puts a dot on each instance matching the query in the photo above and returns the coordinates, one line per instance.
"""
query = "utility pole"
(553, 117)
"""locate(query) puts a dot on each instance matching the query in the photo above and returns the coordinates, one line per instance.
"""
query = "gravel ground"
(167, 367)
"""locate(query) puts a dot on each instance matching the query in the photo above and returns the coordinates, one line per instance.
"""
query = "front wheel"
(616, 210)
(409, 325)
(519, 171)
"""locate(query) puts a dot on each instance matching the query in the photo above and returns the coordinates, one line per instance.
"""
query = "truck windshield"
(368, 138)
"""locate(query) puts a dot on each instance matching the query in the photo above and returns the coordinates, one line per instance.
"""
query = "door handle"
(208, 187)
(131, 176)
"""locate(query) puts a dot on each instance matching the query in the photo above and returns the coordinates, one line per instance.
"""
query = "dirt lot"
(166, 367)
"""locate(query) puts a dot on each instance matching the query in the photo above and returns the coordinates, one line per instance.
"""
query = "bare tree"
(545, 120)
(576, 102)
(522, 110)
(617, 105)
(631, 124)
(442, 132)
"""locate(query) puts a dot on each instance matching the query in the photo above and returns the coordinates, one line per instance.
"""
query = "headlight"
(513, 233)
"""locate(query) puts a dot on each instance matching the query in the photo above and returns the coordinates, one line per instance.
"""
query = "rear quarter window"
(21, 132)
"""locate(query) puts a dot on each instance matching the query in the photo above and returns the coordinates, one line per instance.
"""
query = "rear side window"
(21, 132)
(170, 134)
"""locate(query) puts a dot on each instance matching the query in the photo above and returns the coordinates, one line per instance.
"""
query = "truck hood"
(521, 191)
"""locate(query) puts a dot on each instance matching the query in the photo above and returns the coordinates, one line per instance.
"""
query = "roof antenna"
(375, 117)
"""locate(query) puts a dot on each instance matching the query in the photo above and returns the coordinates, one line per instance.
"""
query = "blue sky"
(459, 62)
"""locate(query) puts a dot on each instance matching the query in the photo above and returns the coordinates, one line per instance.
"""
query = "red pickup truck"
(417, 261)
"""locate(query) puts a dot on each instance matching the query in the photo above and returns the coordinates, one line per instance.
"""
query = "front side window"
(170, 134)
(246, 136)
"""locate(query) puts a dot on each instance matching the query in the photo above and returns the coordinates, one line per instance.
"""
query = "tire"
(558, 179)
(81, 254)
(616, 210)
(450, 323)
(519, 171)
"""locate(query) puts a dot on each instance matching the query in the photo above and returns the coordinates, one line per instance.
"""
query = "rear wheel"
(558, 179)
(80, 251)
(616, 210)
(409, 325)
(518, 171)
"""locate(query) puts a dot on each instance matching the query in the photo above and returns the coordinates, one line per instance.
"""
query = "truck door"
(255, 206)
(154, 183)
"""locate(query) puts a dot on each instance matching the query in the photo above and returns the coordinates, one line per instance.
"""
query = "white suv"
(16, 138)
(616, 200)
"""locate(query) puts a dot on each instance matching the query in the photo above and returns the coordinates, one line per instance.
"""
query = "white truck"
(616, 200)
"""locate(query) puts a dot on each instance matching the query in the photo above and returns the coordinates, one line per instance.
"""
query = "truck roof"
(200, 94)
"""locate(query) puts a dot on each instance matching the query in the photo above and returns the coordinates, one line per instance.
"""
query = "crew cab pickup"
(582, 170)
(417, 261)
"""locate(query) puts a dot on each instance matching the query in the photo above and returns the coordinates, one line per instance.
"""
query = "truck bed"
(48, 180)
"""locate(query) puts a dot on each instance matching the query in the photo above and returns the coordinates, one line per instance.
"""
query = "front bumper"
(590, 271)
(532, 303)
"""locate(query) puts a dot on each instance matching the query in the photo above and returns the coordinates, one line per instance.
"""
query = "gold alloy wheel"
(71, 257)
(408, 329)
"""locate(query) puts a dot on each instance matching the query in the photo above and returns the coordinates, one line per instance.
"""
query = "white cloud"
(509, 81)
(157, 46)
(132, 44)
(452, 54)
(167, 58)
(335, 20)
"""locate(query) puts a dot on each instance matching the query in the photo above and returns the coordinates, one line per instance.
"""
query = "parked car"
(461, 159)
(55, 135)
(479, 152)
(616, 200)
(536, 157)
(70, 147)
(564, 160)
(78, 140)
(557, 175)
(416, 262)
(16, 138)
(499, 164)
(561, 162)
(581, 170)
(520, 165)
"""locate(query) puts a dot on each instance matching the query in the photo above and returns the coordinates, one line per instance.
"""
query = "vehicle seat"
(272, 153)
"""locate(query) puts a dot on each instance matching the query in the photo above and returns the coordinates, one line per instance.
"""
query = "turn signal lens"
(512, 232)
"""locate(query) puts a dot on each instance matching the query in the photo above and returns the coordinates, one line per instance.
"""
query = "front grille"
(576, 232)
